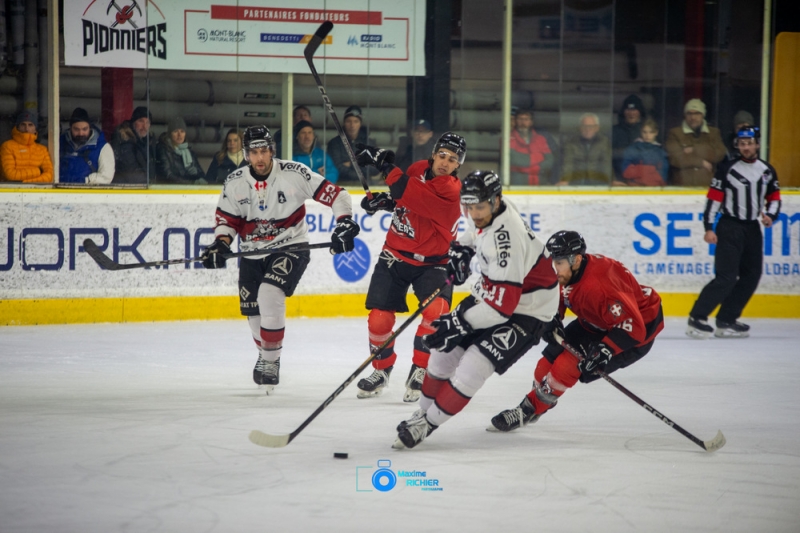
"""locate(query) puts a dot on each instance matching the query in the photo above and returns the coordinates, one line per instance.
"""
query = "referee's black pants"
(738, 264)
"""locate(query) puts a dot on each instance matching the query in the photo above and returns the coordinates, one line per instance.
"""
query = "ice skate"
(413, 431)
(267, 373)
(511, 419)
(732, 330)
(414, 384)
(375, 383)
(698, 328)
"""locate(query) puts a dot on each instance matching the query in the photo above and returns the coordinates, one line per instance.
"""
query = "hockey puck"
(339, 455)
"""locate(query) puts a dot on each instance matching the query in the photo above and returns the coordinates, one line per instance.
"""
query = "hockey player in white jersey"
(264, 205)
(511, 306)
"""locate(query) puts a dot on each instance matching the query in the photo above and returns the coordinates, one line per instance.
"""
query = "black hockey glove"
(597, 357)
(213, 256)
(459, 257)
(371, 156)
(342, 237)
(451, 328)
(556, 327)
(380, 202)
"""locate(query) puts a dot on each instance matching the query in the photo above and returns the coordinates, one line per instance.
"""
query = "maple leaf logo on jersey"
(565, 291)
(616, 309)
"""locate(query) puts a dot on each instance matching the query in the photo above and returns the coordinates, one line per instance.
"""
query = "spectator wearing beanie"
(306, 151)
(356, 134)
(86, 157)
(134, 149)
(694, 148)
(175, 161)
(22, 158)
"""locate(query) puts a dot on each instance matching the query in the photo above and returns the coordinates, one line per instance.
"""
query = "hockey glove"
(451, 328)
(344, 234)
(371, 156)
(380, 202)
(597, 357)
(214, 255)
(556, 327)
(458, 261)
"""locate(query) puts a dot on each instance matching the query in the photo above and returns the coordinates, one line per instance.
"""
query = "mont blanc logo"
(504, 338)
(615, 309)
(244, 293)
(281, 197)
(282, 266)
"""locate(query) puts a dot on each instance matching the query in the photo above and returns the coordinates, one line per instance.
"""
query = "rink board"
(46, 277)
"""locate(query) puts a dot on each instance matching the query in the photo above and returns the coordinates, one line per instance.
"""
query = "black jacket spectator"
(170, 167)
(225, 161)
(337, 151)
(135, 156)
(627, 130)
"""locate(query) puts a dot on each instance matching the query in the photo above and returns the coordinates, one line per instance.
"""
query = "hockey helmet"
(748, 132)
(453, 142)
(564, 244)
(257, 137)
(480, 186)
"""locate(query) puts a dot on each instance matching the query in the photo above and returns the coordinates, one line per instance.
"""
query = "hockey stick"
(109, 264)
(710, 445)
(322, 32)
(279, 441)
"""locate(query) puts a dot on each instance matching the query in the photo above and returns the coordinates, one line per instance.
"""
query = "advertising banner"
(380, 37)
(658, 237)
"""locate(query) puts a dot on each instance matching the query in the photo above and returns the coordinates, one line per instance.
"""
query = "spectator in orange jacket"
(22, 158)
(530, 151)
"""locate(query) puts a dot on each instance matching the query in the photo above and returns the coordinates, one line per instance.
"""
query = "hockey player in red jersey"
(617, 322)
(510, 307)
(425, 207)
(264, 205)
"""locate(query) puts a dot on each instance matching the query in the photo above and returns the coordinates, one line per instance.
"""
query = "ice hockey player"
(510, 307)
(425, 207)
(264, 205)
(617, 321)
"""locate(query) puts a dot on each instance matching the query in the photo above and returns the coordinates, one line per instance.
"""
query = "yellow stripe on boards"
(97, 310)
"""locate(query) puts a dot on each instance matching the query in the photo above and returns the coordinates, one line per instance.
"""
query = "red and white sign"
(380, 37)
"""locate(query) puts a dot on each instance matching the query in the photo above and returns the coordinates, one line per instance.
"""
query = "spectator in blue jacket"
(85, 156)
(307, 152)
(645, 162)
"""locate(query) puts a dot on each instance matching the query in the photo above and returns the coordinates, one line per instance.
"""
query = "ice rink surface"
(143, 428)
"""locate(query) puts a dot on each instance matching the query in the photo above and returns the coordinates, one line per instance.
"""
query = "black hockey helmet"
(563, 244)
(453, 142)
(257, 137)
(748, 132)
(480, 186)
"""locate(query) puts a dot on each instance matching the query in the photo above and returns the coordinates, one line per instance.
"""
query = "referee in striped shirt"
(744, 190)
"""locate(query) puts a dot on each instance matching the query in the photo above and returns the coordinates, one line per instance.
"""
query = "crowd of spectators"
(631, 156)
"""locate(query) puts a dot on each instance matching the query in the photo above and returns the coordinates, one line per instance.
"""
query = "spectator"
(530, 152)
(229, 158)
(23, 159)
(356, 134)
(86, 157)
(307, 152)
(134, 149)
(741, 119)
(299, 113)
(175, 161)
(627, 129)
(645, 161)
(417, 146)
(587, 157)
(694, 148)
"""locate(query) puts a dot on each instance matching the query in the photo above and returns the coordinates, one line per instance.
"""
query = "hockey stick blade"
(319, 36)
(94, 251)
(710, 446)
(322, 32)
(279, 441)
(269, 441)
